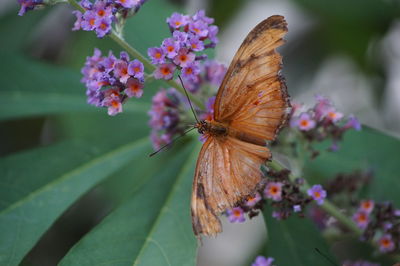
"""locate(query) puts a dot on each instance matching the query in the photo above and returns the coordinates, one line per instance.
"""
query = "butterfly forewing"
(253, 96)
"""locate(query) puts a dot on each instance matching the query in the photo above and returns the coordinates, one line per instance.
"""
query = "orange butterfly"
(251, 106)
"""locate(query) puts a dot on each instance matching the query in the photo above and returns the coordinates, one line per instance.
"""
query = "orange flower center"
(317, 194)
(158, 55)
(236, 213)
(103, 26)
(304, 123)
(385, 242)
(183, 58)
(273, 190)
(136, 69)
(115, 104)
(362, 217)
(189, 71)
(170, 48)
(165, 70)
(91, 22)
(101, 12)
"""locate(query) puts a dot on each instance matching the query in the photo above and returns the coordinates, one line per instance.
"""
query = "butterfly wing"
(252, 97)
(227, 170)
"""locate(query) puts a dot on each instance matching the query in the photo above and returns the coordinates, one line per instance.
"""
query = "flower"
(134, 88)
(177, 20)
(353, 123)
(273, 190)
(184, 57)
(108, 82)
(236, 215)
(297, 208)
(386, 243)
(136, 69)
(27, 5)
(262, 261)
(190, 71)
(157, 55)
(361, 219)
(359, 263)
(317, 193)
(303, 122)
(164, 71)
(253, 199)
(170, 47)
(367, 206)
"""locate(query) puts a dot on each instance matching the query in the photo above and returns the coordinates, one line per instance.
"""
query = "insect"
(251, 106)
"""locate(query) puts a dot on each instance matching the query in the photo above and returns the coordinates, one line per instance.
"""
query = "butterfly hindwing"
(227, 170)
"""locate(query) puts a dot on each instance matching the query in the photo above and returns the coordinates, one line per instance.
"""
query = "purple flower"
(134, 88)
(304, 122)
(212, 34)
(78, 22)
(322, 106)
(333, 115)
(297, 208)
(199, 28)
(94, 97)
(157, 55)
(164, 71)
(124, 56)
(190, 71)
(86, 4)
(386, 243)
(253, 200)
(109, 62)
(112, 100)
(263, 261)
(361, 219)
(367, 206)
(273, 190)
(159, 141)
(136, 69)
(184, 57)
(170, 47)
(353, 123)
(277, 215)
(121, 71)
(127, 3)
(180, 36)
(103, 27)
(209, 114)
(102, 10)
(195, 44)
(27, 5)
(236, 215)
(317, 193)
(88, 21)
(201, 15)
(215, 72)
(177, 20)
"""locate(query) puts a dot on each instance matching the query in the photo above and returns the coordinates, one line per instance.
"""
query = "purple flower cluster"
(285, 196)
(165, 116)
(27, 5)
(99, 16)
(190, 34)
(110, 81)
(317, 193)
(263, 261)
(323, 121)
(381, 223)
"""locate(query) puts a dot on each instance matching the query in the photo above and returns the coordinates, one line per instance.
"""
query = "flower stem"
(136, 54)
(326, 206)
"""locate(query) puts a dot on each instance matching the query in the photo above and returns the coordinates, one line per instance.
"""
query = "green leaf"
(35, 88)
(153, 227)
(294, 241)
(367, 150)
(28, 213)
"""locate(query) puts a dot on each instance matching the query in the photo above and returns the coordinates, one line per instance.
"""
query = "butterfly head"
(202, 127)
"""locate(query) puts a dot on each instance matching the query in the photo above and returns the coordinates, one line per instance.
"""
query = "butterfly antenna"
(172, 141)
(325, 256)
(187, 96)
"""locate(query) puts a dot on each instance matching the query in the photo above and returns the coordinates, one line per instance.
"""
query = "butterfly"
(251, 106)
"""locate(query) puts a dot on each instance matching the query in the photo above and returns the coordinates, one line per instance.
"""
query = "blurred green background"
(65, 165)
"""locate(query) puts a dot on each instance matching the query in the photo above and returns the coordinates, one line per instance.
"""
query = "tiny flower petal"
(236, 215)
(262, 261)
(273, 190)
(317, 193)
(164, 71)
(136, 69)
(134, 88)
